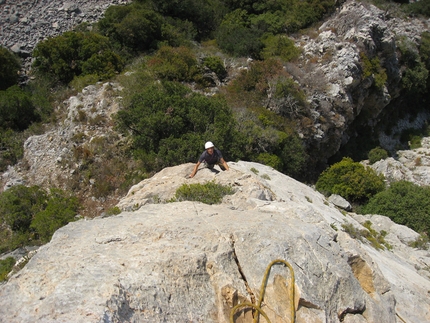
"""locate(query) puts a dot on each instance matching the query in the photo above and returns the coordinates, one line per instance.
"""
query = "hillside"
(192, 262)
(358, 81)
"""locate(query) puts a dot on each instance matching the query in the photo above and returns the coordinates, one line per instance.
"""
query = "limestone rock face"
(192, 262)
(409, 165)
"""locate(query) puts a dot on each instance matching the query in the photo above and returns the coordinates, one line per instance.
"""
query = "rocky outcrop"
(24, 23)
(191, 262)
(341, 99)
(409, 165)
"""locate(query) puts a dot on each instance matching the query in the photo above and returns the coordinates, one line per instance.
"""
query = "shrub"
(12, 145)
(215, 64)
(60, 210)
(404, 203)
(9, 68)
(76, 53)
(32, 214)
(19, 204)
(279, 46)
(209, 193)
(175, 64)
(168, 124)
(133, 27)
(6, 266)
(372, 68)
(351, 180)
(376, 154)
(17, 111)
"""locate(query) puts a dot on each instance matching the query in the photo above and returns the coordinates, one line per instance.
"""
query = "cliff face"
(342, 97)
(191, 262)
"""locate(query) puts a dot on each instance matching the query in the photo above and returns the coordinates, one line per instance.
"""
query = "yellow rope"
(262, 291)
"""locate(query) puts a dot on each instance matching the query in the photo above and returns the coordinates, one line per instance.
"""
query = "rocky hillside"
(331, 71)
(192, 262)
(25, 23)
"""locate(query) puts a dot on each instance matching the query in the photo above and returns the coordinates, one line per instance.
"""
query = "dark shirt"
(211, 159)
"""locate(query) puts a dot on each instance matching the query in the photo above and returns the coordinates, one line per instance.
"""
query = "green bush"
(12, 144)
(9, 68)
(32, 215)
(175, 64)
(208, 193)
(19, 204)
(279, 46)
(17, 110)
(169, 124)
(376, 154)
(215, 64)
(60, 210)
(351, 180)
(133, 27)
(6, 266)
(404, 203)
(372, 68)
(77, 53)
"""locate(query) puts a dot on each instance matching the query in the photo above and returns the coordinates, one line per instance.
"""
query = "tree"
(351, 180)
(9, 68)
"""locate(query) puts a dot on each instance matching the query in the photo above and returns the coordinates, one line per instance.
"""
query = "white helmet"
(209, 144)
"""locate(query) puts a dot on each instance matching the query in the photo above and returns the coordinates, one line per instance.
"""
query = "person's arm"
(223, 162)
(195, 169)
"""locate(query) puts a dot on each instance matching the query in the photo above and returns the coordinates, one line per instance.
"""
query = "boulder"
(192, 262)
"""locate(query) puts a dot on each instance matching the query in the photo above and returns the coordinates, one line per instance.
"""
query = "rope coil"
(263, 290)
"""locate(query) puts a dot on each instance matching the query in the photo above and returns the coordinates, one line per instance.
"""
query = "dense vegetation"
(32, 215)
(405, 203)
(171, 47)
(351, 180)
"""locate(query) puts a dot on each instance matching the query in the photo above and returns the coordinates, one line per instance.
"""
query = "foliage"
(9, 68)
(238, 39)
(422, 242)
(168, 124)
(376, 239)
(376, 154)
(279, 46)
(208, 193)
(17, 110)
(6, 266)
(12, 149)
(404, 203)
(414, 78)
(175, 64)
(419, 8)
(351, 180)
(19, 204)
(77, 53)
(133, 28)
(215, 64)
(372, 68)
(60, 209)
(33, 215)
(204, 15)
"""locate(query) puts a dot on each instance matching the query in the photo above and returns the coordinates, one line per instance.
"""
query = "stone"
(340, 202)
(188, 261)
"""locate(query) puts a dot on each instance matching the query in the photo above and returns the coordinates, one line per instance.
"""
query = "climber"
(211, 157)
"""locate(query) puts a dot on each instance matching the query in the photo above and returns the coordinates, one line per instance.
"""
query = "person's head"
(209, 146)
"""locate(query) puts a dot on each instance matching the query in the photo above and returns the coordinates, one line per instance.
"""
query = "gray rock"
(339, 201)
(187, 261)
